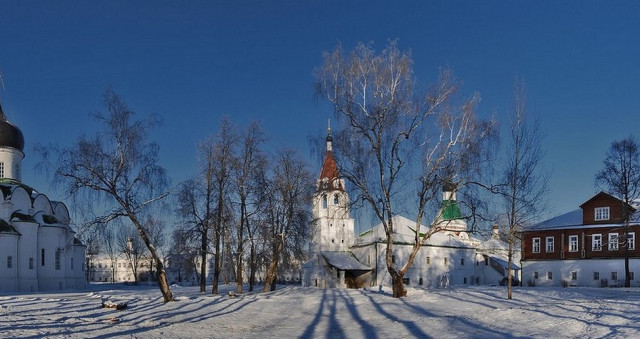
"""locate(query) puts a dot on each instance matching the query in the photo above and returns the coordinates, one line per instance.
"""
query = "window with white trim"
(549, 275)
(602, 213)
(573, 243)
(596, 242)
(574, 275)
(631, 240)
(613, 241)
(536, 245)
(549, 241)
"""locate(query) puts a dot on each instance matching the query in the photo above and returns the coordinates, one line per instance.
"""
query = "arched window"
(324, 201)
(335, 199)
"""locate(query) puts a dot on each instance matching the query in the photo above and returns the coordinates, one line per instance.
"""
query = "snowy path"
(464, 312)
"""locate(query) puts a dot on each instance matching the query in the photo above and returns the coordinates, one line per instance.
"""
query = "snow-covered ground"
(290, 312)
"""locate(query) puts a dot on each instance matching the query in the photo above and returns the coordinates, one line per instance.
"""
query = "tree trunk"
(252, 266)
(396, 276)
(397, 285)
(203, 259)
(216, 264)
(269, 281)
(627, 277)
(510, 254)
(239, 276)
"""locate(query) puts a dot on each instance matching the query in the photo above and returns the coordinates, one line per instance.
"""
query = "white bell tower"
(334, 228)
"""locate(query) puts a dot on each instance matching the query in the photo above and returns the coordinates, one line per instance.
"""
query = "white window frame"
(549, 275)
(535, 245)
(614, 276)
(573, 243)
(601, 213)
(574, 275)
(613, 243)
(631, 240)
(596, 242)
(549, 244)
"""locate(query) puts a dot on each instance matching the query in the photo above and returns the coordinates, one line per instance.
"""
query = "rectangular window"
(596, 242)
(596, 275)
(1, 169)
(613, 241)
(536, 245)
(549, 275)
(9, 262)
(574, 275)
(614, 275)
(428, 260)
(573, 243)
(602, 213)
(405, 281)
(446, 260)
(631, 240)
(631, 276)
(549, 244)
(31, 263)
(461, 261)
(58, 255)
(71, 263)
(42, 257)
(535, 275)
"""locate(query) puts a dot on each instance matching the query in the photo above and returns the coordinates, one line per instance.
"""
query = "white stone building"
(450, 257)
(38, 248)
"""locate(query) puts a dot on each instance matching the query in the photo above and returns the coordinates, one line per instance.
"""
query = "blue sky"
(192, 62)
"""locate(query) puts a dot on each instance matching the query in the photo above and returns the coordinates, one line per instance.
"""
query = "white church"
(38, 248)
(340, 259)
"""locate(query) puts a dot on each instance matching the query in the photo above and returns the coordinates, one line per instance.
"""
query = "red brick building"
(585, 247)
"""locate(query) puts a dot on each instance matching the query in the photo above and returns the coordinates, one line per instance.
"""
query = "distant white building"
(38, 248)
(450, 257)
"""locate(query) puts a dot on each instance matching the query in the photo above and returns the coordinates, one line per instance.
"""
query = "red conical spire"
(329, 175)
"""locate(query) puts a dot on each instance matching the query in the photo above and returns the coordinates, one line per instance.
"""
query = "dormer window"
(602, 213)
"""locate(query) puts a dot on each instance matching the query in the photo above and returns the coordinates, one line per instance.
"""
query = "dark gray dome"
(10, 135)
(448, 186)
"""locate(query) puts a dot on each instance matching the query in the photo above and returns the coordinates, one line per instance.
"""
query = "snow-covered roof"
(404, 232)
(504, 263)
(574, 219)
(344, 261)
(494, 244)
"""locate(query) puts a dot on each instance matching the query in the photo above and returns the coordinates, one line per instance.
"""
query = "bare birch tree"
(118, 166)
(397, 137)
(133, 249)
(288, 199)
(251, 162)
(621, 177)
(524, 185)
(223, 155)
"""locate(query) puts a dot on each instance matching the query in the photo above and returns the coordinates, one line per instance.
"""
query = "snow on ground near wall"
(289, 312)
